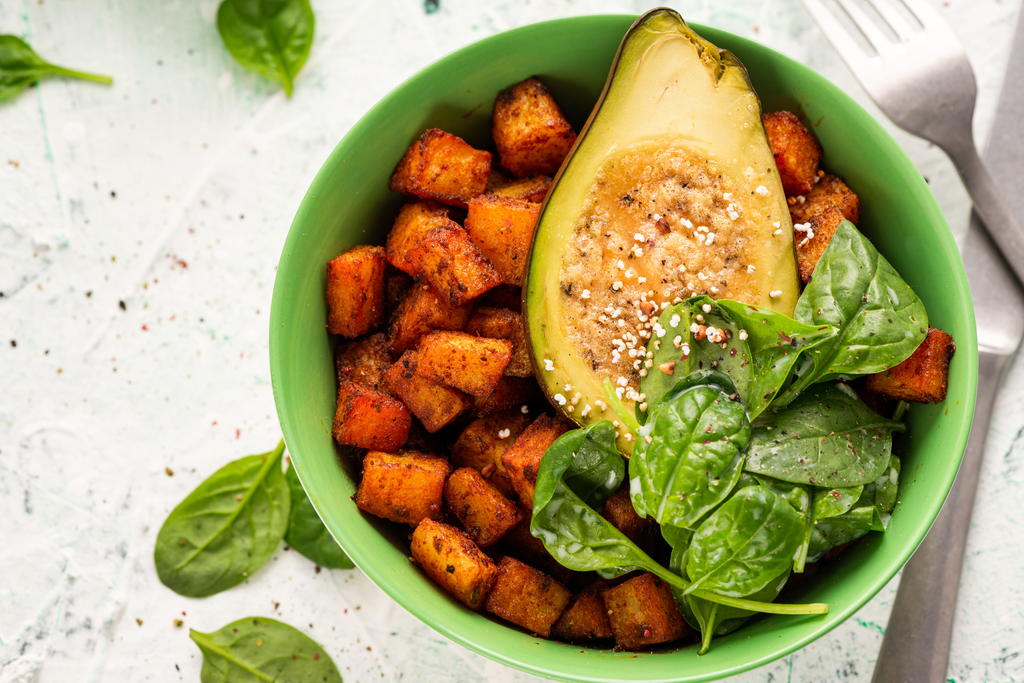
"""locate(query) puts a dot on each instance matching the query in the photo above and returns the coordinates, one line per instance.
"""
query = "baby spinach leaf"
(20, 67)
(744, 544)
(676, 536)
(270, 37)
(728, 619)
(666, 349)
(307, 533)
(259, 650)
(881, 321)
(827, 437)
(226, 528)
(690, 452)
(595, 469)
(884, 491)
(835, 531)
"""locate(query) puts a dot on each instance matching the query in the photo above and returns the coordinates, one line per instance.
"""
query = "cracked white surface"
(172, 191)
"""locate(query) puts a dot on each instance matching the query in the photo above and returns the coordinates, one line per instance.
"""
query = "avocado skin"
(668, 89)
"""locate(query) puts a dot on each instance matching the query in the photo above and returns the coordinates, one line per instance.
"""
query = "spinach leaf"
(884, 491)
(827, 437)
(881, 321)
(797, 495)
(727, 619)
(593, 468)
(226, 528)
(835, 531)
(307, 533)
(690, 452)
(270, 37)
(676, 536)
(756, 347)
(259, 649)
(744, 544)
(20, 67)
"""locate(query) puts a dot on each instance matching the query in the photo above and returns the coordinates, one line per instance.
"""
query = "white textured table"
(171, 193)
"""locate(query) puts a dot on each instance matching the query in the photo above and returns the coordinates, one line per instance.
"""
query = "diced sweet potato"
(923, 377)
(414, 221)
(369, 419)
(423, 311)
(586, 617)
(643, 531)
(525, 547)
(642, 612)
(829, 192)
(499, 178)
(471, 364)
(443, 167)
(483, 442)
(434, 404)
(531, 189)
(502, 228)
(812, 240)
(503, 296)
(456, 268)
(529, 129)
(396, 287)
(501, 323)
(355, 291)
(527, 597)
(797, 153)
(365, 361)
(522, 459)
(510, 391)
(451, 559)
(404, 487)
(484, 513)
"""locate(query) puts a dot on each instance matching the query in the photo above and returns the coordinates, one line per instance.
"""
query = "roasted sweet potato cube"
(414, 221)
(643, 531)
(529, 129)
(502, 228)
(829, 192)
(454, 561)
(923, 377)
(533, 188)
(510, 391)
(369, 419)
(501, 323)
(423, 311)
(471, 364)
(499, 178)
(355, 291)
(396, 287)
(797, 153)
(484, 513)
(522, 459)
(812, 240)
(364, 361)
(481, 444)
(525, 547)
(434, 404)
(503, 296)
(403, 487)
(443, 167)
(456, 268)
(586, 618)
(527, 597)
(642, 612)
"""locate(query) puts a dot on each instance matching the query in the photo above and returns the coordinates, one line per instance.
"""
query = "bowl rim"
(366, 565)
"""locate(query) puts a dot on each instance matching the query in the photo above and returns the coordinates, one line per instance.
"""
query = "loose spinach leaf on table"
(259, 649)
(695, 455)
(20, 67)
(759, 350)
(307, 533)
(744, 544)
(226, 528)
(270, 37)
(881, 321)
(827, 437)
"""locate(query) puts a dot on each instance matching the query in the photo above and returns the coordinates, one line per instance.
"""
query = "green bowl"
(349, 203)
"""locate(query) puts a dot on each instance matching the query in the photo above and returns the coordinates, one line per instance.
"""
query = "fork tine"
(867, 26)
(898, 24)
(836, 34)
(926, 14)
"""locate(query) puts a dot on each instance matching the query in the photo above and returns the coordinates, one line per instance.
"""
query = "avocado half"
(670, 191)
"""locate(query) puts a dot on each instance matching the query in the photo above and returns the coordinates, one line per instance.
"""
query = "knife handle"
(917, 638)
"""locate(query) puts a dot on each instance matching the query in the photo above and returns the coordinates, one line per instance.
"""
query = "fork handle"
(995, 215)
(917, 638)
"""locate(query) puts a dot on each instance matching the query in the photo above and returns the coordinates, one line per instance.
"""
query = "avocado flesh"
(676, 136)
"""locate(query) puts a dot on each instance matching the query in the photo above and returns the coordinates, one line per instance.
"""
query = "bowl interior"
(349, 203)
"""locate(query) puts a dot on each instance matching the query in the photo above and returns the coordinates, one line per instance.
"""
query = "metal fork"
(925, 85)
(917, 638)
